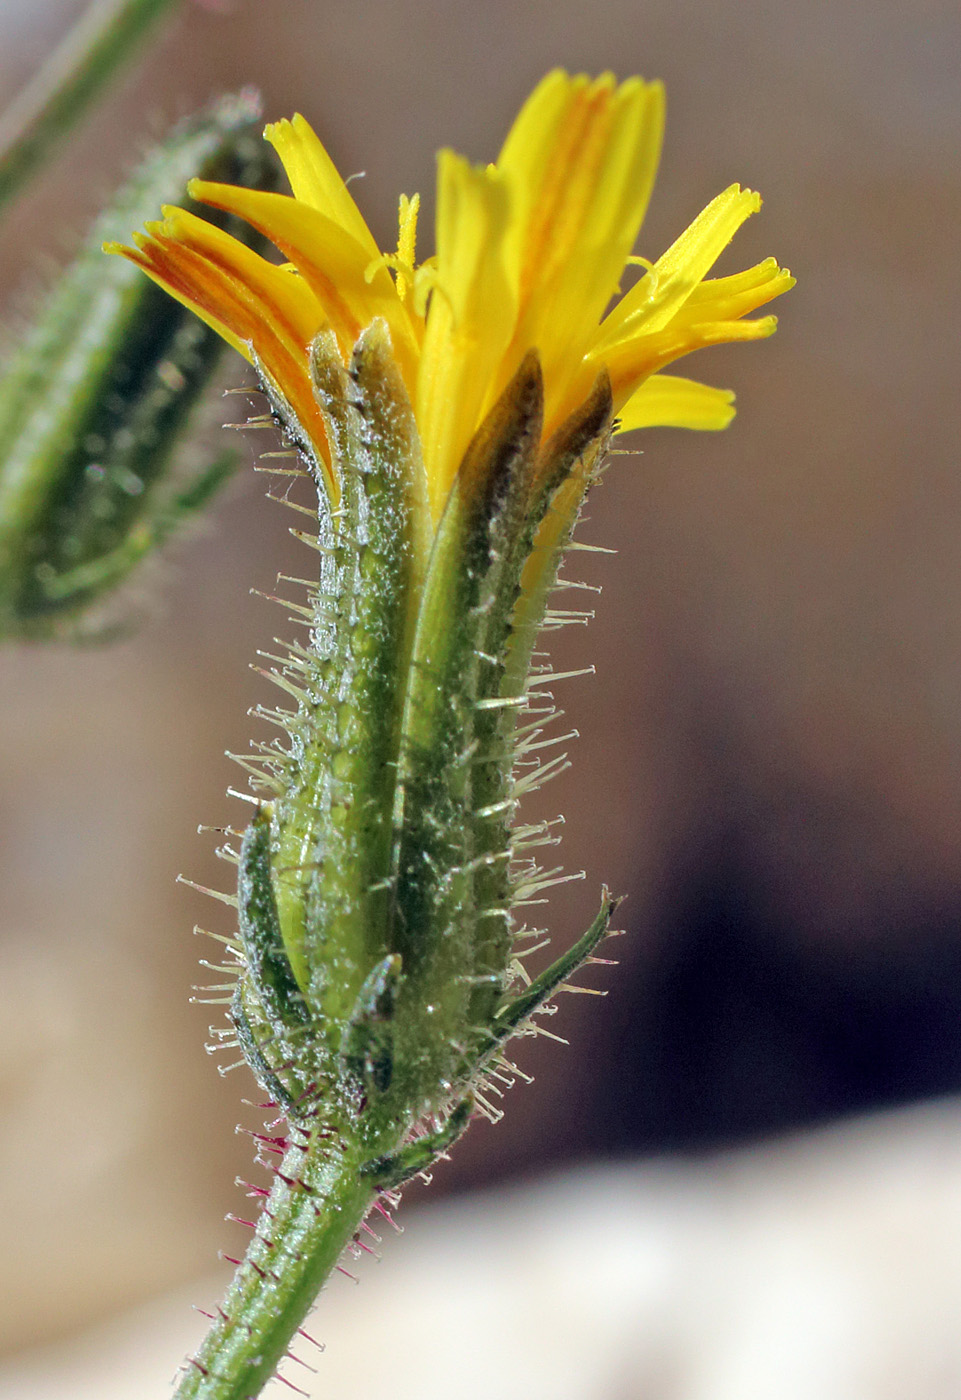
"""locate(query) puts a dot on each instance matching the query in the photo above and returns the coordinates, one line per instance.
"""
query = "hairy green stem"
(106, 38)
(317, 1204)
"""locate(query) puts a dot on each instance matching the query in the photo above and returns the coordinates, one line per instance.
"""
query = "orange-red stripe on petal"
(333, 264)
(296, 311)
(581, 161)
(141, 255)
(217, 296)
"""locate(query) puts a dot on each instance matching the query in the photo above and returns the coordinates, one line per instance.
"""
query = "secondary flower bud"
(95, 398)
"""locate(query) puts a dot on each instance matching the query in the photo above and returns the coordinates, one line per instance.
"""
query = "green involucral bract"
(377, 961)
(95, 397)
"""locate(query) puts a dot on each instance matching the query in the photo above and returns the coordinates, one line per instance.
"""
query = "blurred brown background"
(771, 755)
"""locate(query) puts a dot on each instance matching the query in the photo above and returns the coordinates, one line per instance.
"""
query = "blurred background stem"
(97, 47)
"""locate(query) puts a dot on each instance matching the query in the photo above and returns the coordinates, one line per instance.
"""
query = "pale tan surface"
(779, 636)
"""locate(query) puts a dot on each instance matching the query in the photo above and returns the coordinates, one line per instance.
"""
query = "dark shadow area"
(749, 1030)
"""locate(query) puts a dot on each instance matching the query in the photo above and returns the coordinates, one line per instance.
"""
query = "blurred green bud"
(96, 395)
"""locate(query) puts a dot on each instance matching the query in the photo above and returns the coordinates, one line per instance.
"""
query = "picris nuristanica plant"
(452, 414)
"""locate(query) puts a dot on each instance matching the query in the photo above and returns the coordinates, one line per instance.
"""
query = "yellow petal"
(727, 298)
(316, 180)
(529, 256)
(332, 263)
(247, 321)
(296, 313)
(580, 160)
(165, 276)
(630, 363)
(656, 298)
(667, 401)
(536, 161)
(469, 320)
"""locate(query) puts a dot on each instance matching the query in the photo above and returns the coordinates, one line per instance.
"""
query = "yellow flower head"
(530, 252)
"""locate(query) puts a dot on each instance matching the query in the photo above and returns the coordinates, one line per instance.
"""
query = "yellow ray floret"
(530, 254)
